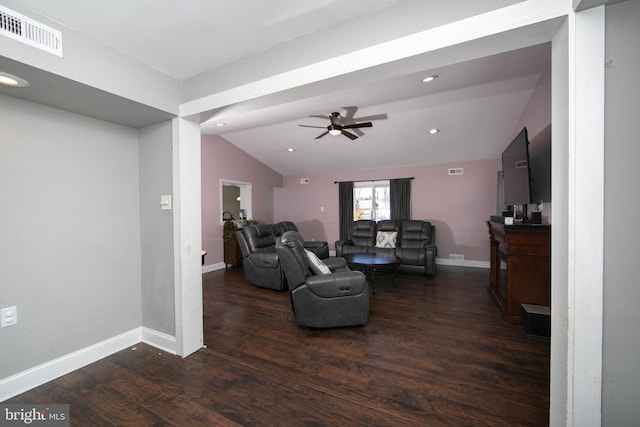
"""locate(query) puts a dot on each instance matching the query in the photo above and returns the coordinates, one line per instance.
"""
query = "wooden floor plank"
(435, 353)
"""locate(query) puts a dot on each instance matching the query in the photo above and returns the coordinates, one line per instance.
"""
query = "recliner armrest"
(335, 263)
(338, 284)
(314, 244)
(430, 247)
(340, 244)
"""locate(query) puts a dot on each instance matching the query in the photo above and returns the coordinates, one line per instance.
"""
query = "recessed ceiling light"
(433, 131)
(11, 80)
(429, 78)
(291, 150)
(220, 124)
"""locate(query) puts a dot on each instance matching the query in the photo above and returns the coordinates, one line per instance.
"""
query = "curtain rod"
(374, 180)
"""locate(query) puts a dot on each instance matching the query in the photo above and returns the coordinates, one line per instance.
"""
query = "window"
(371, 200)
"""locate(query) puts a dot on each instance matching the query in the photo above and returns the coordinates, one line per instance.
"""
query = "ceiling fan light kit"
(336, 128)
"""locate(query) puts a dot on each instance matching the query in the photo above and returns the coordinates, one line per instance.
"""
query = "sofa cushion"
(386, 239)
(363, 233)
(316, 265)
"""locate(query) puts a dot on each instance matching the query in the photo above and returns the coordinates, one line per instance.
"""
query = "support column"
(187, 236)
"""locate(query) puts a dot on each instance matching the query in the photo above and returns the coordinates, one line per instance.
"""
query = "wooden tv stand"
(520, 266)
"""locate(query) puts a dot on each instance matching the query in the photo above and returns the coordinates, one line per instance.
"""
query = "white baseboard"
(159, 340)
(463, 263)
(38, 375)
(213, 267)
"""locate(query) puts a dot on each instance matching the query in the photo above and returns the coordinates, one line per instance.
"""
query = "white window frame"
(375, 214)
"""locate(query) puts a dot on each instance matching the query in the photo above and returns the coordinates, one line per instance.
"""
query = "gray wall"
(69, 232)
(156, 229)
(621, 347)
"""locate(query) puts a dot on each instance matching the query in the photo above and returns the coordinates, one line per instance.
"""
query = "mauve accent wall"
(223, 160)
(458, 205)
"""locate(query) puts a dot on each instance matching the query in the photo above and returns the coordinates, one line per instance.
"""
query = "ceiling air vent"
(456, 171)
(28, 31)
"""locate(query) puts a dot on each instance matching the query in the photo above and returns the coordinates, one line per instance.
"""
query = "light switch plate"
(165, 202)
(8, 316)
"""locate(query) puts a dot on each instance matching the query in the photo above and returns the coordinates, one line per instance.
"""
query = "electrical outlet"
(457, 257)
(8, 316)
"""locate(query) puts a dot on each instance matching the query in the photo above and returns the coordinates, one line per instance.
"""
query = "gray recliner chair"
(260, 260)
(337, 299)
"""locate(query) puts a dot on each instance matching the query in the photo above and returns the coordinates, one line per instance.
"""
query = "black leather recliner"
(416, 246)
(260, 259)
(338, 299)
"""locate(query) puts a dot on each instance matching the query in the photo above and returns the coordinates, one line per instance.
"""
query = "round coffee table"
(371, 262)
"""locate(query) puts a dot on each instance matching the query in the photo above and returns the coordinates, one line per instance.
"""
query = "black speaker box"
(536, 320)
(536, 217)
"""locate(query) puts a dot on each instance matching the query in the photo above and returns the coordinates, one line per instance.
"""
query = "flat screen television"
(540, 165)
(516, 172)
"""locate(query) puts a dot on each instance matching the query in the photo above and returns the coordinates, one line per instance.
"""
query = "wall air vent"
(28, 31)
(456, 171)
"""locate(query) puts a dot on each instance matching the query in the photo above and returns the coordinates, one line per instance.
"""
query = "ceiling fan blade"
(321, 135)
(383, 116)
(308, 126)
(358, 125)
(349, 135)
(351, 112)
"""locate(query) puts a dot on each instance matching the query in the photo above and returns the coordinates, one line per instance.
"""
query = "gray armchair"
(338, 299)
(260, 260)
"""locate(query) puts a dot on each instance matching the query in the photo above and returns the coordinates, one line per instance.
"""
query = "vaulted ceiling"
(475, 102)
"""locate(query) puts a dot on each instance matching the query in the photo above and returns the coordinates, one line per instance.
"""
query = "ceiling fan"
(337, 128)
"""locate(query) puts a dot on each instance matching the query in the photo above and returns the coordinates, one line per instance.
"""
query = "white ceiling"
(185, 38)
(476, 103)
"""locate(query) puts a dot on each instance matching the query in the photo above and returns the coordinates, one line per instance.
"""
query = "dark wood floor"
(435, 352)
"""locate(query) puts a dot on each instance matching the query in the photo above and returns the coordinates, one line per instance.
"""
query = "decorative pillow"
(316, 264)
(386, 239)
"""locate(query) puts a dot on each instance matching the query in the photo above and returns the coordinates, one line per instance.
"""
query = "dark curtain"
(400, 195)
(345, 207)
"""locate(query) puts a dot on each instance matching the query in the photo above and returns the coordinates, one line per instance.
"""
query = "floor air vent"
(28, 31)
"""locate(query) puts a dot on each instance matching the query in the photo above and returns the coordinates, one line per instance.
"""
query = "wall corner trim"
(45, 372)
